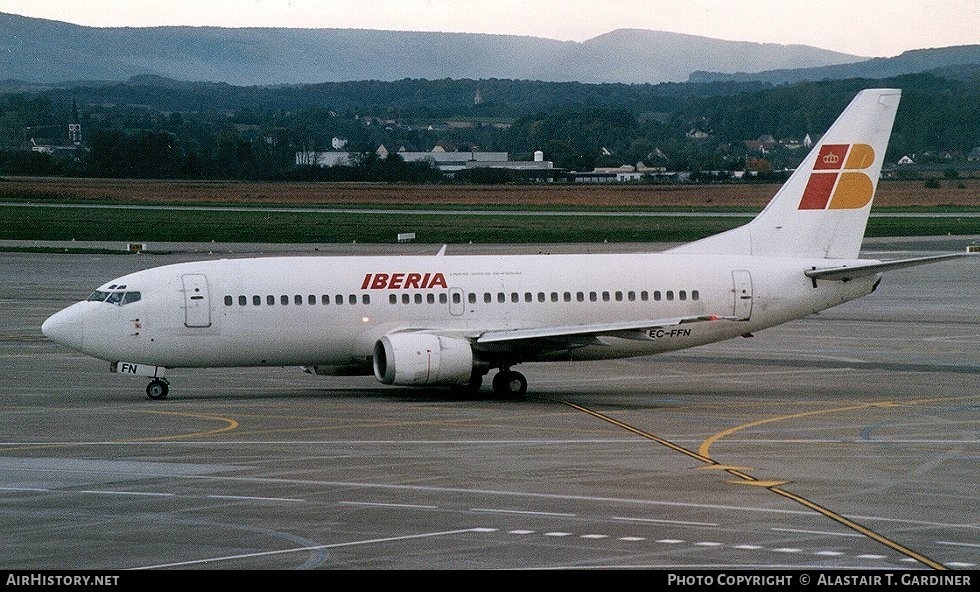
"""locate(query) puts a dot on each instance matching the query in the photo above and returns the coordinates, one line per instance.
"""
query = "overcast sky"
(871, 28)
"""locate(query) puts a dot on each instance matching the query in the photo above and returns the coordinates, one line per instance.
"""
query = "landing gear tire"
(510, 384)
(157, 389)
(471, 387)
(476, 381)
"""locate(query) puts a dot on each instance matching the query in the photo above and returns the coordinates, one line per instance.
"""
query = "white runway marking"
(958, 544)
(255, 498)
(658, 521)
(526, 512)
(802, 531)
(388, 505)
(314, 548)
(133, 493)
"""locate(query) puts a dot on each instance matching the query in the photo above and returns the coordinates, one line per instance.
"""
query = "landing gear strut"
(509, 383)
(157, 389)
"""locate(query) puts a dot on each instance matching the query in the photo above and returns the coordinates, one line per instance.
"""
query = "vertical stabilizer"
(822, 209)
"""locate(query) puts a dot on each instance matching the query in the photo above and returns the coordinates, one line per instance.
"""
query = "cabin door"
(742, 291)
(197, 301)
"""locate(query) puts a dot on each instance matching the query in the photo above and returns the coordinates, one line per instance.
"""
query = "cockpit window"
(116, 297)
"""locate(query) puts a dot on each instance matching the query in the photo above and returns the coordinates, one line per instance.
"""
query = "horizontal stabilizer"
(850, 272)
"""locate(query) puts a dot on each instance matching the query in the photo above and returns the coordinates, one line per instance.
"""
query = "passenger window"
(515, 297)
(393, 298)
(567, 296)
(352, 299)
(471, 297)
(682, 295)
(619, 296)
(695, 295)
(644, 296)
(528, 297)
(242, 300)
(670, 294)
(338, 299)
(501, 297)
(311, 299)
(256, 300)
(541, 297)
(631, 296)
(487, 298)
(554, 296)
(418, 299)
(656, 295)
(430, 298)
(605, 296)
(444, 299)
(227, 300)
(406, 299)
(284, 299)
(270, 300)
(298, 299)
(593, 297)
(457, 298)
(580, 296)
(366, 299)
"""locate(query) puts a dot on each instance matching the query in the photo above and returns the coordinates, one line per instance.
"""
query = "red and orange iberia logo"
(836, 183)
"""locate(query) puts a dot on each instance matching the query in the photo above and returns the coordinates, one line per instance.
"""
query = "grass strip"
(138, 225)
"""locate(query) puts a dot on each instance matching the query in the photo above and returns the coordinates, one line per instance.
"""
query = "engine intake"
(422, 359)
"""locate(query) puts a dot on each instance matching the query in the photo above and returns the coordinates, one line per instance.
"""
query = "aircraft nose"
(66, 327)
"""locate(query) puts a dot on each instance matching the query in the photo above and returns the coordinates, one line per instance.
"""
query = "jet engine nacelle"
(422, 359)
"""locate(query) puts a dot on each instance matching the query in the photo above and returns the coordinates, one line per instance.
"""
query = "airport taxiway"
(845, 440)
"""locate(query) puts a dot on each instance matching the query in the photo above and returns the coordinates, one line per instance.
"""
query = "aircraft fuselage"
(330, 312)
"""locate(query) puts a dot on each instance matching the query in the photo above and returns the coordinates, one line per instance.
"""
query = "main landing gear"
(158, 389)
(509, 383)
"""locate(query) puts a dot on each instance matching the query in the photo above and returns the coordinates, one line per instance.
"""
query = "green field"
(268, 226)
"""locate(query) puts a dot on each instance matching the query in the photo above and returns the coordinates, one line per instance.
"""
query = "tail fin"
(822, 209)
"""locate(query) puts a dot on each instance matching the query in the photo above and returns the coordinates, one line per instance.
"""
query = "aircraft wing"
(849, 272)
(580, 335)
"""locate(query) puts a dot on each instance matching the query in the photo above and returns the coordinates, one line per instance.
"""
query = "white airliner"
(448, 320)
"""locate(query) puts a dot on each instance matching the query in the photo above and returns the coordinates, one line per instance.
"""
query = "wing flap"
(640, 329)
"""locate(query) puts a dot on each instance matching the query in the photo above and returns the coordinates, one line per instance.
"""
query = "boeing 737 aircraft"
(448, 320)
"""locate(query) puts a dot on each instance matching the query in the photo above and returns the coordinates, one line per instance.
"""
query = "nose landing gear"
(157, 389)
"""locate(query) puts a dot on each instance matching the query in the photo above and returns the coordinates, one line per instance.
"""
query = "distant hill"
(910, 62)
(45, 51)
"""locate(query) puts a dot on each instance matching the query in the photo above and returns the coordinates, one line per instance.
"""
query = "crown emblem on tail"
(838, 185)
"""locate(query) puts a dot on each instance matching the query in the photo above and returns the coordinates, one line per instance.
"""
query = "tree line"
(154, 128)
